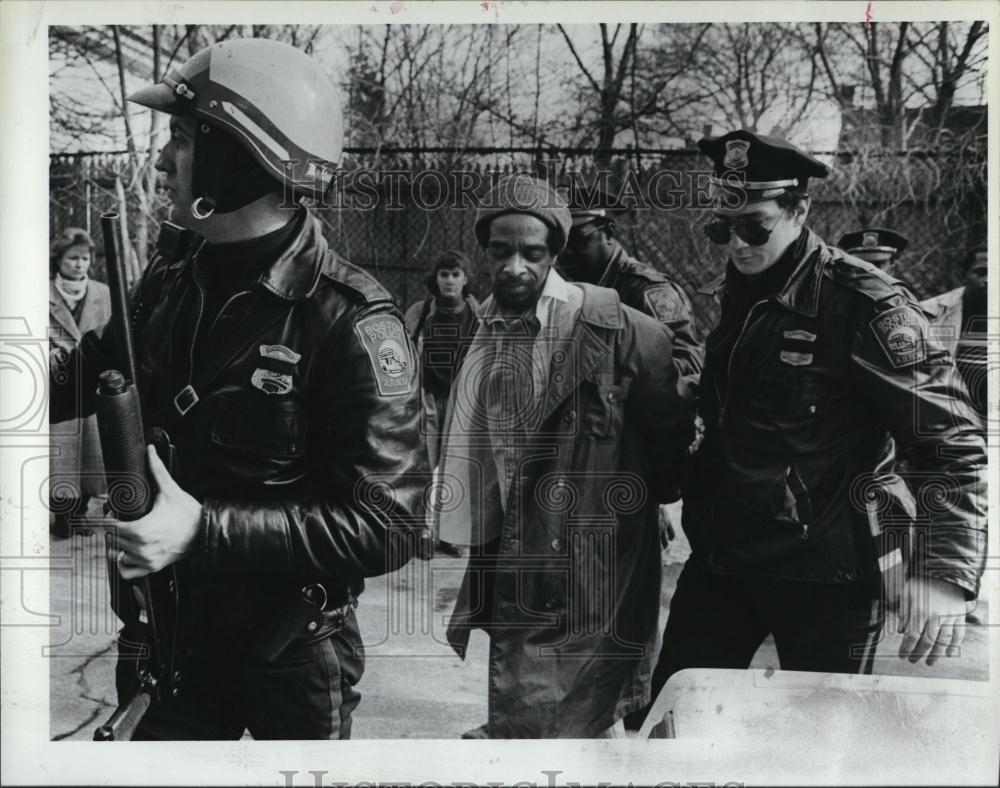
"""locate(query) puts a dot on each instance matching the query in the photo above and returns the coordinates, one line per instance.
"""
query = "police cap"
(594, 205)
(759, 167)
(873, 239)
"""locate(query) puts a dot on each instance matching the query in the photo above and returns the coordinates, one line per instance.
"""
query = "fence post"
(87, 194)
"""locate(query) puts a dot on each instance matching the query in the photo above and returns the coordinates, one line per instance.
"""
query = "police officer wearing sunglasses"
(817, 358)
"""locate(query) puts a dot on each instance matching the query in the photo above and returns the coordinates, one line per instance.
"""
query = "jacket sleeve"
(669, 304)
(665, 416)
(364, 512)
(915, 389)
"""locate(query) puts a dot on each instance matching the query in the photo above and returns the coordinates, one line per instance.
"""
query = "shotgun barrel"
(148, 608)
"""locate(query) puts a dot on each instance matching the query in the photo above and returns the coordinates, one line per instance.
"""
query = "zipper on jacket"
(723, 405)
(729, 363)
(197, 323)
(225, 306)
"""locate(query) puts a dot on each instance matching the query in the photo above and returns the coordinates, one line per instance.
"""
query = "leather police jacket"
(799, 399)
(295, 416)
(642, 287)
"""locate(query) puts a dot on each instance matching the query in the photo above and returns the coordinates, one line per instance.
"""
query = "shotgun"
(148, 608)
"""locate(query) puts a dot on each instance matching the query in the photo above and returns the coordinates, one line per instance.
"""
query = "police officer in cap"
(286, 380)
(594, 255)
(816, 359)
(876, 245)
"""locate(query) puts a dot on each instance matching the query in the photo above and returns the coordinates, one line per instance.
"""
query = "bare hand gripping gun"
(149, 607)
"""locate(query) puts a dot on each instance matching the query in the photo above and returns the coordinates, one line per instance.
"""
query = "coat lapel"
(577, 353)
(96, 308)
(61, 314)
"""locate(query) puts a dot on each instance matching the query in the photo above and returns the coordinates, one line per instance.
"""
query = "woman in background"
(76, 304)
(441, 327)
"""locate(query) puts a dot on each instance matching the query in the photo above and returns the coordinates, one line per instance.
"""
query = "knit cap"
(522, 193)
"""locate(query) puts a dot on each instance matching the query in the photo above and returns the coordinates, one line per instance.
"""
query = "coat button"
(570, 415)
(611, 396)
(550, 604)
(292, 448)
(556, 544)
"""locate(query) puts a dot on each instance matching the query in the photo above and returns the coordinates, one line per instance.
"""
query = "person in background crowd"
(595, 255)
(565, 430)
(876, 245)
(77, 304)
(958, 319)
(441, 327)
(286, 380)
(815, 360)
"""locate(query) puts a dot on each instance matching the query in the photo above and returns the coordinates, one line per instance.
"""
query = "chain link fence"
(393, 212)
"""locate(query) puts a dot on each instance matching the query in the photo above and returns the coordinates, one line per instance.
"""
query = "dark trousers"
(719, 621)
(307, 693)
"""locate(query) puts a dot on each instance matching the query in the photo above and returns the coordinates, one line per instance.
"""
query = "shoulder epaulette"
(355, 280)
(632, 267)
(861, 277)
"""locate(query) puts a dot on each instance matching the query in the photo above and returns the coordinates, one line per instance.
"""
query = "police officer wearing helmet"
(595, 255)
(286, 380)
(816, 359)
(876, 245)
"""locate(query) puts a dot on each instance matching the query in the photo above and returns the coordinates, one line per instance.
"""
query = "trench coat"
(569, 591)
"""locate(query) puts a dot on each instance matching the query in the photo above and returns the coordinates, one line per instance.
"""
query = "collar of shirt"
(554, 291)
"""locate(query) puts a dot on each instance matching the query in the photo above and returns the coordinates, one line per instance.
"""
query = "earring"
(200, 213)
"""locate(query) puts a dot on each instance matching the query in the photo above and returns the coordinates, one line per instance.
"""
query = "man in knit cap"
(565, 432)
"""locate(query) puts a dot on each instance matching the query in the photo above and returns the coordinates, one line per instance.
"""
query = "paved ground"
(414, 685)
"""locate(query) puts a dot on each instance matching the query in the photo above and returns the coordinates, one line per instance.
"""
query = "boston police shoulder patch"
(384, 340)
(899, 332)
(664, 303)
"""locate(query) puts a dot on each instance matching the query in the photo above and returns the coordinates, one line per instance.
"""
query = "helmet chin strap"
(225, 176)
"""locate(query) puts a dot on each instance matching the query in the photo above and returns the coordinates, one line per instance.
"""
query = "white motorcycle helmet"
(273, 100)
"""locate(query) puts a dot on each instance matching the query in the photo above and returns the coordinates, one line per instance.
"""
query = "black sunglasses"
(719, 231)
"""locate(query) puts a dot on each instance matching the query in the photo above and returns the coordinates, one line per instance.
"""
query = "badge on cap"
(869, 239)
(385, 342)
(737, 154)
